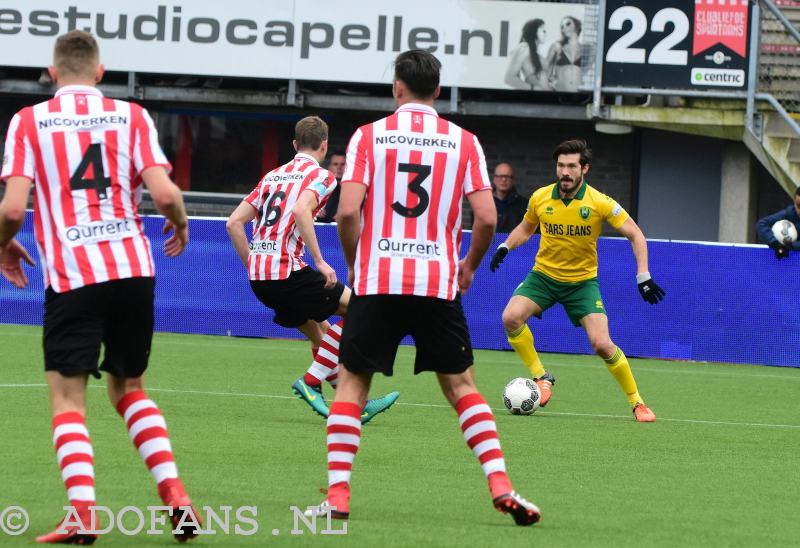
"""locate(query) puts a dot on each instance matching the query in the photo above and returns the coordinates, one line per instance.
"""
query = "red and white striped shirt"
(84, 153)
(276, 249)
(416, 167)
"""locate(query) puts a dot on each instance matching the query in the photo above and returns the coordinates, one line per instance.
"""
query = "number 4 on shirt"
(99, 182)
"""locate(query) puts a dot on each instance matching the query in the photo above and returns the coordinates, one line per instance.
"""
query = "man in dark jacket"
(336, 166)
(510, 205)
(764, 227)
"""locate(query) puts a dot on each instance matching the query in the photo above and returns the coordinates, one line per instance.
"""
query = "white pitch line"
(157, 342)
(681, 368)
(441, 406)
(237, 394)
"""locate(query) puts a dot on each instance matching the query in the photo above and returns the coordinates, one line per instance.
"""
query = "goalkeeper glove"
(781, 250)
(497, 258)
(649, 289)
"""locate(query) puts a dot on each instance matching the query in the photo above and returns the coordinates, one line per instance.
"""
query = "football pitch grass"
(718, 468)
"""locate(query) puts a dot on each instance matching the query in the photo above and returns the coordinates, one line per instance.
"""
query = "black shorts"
(375, 324)
(118, 314)
(299, 298)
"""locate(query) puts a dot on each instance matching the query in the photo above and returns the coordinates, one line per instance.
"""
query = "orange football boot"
(643, 413)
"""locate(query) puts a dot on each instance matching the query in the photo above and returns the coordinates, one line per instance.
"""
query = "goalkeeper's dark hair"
(574, 146)
(419, 71)
(797, 191)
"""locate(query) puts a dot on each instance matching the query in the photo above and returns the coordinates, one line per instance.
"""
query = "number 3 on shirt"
(415, 186)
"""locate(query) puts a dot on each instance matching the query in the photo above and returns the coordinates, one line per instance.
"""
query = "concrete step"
(769, 60)
(790, 9)
(771, 153)
(784, 72)
(779, 149)
(790, 47)
(769, 23)
(794, 151)
(775, 126)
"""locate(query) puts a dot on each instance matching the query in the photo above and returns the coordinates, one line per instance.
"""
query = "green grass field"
(718, 468)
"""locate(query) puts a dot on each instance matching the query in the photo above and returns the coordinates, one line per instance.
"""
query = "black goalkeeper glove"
(649, 289)
(781, 250)
(497, 258)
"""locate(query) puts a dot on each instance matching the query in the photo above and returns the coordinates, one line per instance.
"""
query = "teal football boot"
(377, 406)
(312, 395)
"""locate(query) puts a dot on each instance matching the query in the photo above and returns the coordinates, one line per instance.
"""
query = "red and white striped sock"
(326, 360)
(344, 438)
(75, 458)
(148, 431)
(480, 433)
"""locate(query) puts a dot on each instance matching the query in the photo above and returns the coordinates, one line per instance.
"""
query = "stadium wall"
(724, 303)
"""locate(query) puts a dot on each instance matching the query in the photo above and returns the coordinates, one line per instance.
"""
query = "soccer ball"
(785, 232)
(521, 396)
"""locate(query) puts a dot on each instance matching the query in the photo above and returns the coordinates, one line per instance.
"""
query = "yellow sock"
(619, 367)
(521, 341)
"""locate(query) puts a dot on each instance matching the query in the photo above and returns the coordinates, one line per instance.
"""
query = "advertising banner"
(696, 322)
(677, 44)
(482, 44)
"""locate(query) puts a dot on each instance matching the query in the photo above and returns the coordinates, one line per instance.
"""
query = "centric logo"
(732, 78)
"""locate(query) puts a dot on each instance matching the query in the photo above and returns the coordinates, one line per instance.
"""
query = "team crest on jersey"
(585, 212)
(549, 210)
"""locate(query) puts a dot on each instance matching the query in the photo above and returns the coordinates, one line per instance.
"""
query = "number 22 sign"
(675, 44)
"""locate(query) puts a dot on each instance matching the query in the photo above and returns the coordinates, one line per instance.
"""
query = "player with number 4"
(87, 157)
(571, 215)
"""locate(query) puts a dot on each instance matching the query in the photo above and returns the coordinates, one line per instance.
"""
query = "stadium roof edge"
(264, 98)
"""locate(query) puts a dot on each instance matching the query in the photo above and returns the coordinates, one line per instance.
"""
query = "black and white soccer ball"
(521, 396)
(785, 232)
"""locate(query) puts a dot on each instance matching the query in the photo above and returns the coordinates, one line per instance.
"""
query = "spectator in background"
(511, 207)
(764, 227)
(336, 166)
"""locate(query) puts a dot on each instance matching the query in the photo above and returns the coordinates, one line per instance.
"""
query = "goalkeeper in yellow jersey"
(571, 214)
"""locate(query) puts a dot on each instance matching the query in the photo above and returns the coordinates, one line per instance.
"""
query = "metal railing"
(780, 53)
(774, 66)
(773, 72)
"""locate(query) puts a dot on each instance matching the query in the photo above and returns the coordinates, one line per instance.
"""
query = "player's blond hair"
(76, 54)
(310, 132)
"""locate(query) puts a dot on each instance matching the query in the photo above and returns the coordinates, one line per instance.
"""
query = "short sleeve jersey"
(417, 168)
(570, 229)
(84, 154)
(276, 249)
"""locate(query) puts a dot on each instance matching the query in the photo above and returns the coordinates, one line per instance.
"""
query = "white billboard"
(482, 44)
